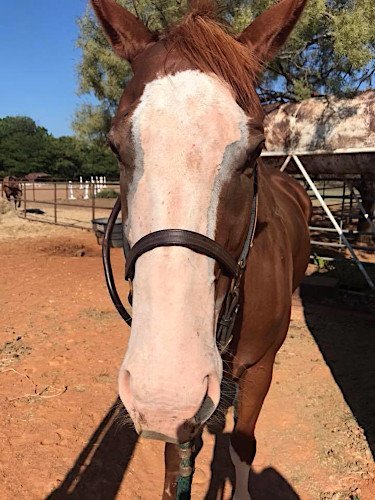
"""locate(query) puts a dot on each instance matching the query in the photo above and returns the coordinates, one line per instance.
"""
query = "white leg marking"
(242, 476)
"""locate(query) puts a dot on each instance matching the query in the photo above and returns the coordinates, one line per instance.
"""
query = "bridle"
(197, 243)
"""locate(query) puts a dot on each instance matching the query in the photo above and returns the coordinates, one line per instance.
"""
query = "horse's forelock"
(207, 45)
(203, 7)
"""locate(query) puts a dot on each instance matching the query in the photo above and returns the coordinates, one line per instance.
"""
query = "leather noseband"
(197, 243)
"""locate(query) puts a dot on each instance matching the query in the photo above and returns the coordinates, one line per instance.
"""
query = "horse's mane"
(206, 43)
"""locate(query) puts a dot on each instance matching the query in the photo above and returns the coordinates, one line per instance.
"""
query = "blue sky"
(38, 61)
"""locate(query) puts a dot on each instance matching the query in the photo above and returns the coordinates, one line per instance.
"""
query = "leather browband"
(182, 238)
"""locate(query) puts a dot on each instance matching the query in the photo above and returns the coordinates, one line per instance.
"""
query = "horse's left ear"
(269, 31)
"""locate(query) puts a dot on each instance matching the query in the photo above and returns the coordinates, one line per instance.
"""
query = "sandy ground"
(61, 344)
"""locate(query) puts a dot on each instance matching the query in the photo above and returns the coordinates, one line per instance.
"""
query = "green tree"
(93, 122)
(96, 160)
(25, 147)
(330, 51)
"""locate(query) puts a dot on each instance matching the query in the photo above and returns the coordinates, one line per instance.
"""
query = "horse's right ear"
(125, 32)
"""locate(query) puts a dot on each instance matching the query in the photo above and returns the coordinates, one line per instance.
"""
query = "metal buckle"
(228, 319)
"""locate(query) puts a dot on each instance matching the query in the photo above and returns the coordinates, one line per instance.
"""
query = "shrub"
(107, 193)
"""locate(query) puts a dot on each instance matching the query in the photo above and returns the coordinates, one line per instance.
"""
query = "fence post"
(34, 190)
(24, 199)
(351, 204)
(55, 200)
(362, 209)
(93, 201)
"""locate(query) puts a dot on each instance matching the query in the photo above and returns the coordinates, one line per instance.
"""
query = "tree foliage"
(25, 147)
(330, 51)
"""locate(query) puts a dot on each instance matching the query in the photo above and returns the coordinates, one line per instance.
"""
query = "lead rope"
(224, 332)
(185, 477)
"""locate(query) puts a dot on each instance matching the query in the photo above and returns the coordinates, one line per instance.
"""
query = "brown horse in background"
(12, 189)
(188, 134)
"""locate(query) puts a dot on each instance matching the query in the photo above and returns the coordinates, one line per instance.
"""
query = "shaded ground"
(61, 432)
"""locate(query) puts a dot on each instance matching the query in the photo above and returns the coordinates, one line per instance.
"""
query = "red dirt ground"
(60, 348)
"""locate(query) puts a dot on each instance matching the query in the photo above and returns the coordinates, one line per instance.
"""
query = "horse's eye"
(257, 151)
(261, 146)
(251, 158)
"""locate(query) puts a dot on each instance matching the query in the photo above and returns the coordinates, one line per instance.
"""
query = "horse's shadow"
(343, 329)
(267, 485)
(100, 467)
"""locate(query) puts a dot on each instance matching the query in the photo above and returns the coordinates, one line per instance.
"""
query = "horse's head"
(187, 134)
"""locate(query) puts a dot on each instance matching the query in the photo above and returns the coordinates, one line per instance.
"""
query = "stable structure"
(329, 144)
(319, 162)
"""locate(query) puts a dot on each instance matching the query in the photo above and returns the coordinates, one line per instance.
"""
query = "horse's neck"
(266, 197)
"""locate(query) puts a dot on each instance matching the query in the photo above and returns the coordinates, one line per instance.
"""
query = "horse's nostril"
(124, 378)
(124, 388)
(209, 402)
(205, 411)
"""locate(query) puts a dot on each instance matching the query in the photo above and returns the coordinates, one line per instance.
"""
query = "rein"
(197, 243)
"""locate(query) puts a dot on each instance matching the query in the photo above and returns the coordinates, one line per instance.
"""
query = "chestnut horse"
(188, 134)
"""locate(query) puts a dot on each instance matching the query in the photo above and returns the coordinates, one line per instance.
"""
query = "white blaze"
(189, 135)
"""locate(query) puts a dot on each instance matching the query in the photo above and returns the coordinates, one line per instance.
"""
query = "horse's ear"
(269, 31)
(125, 32)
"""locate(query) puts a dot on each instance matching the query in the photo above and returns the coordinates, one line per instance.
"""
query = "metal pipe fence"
(51, 202)
(56, 195)
(66, 204)
(323, 189)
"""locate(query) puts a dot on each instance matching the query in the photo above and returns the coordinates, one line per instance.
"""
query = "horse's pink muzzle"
(166, 414)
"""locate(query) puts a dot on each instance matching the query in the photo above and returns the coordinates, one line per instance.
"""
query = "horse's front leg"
(253, 388)
(172, 470)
